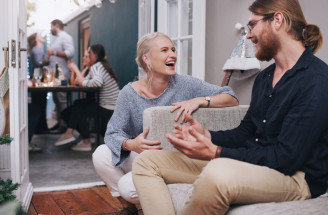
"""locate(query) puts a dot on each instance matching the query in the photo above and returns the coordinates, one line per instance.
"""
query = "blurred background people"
(60, 51)
(89, 97)
(37, 108)
(100, 75)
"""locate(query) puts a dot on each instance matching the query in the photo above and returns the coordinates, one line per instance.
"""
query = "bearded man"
(278, 153)
(60, 51)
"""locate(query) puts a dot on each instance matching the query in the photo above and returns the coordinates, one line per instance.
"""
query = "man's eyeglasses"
(252, 24)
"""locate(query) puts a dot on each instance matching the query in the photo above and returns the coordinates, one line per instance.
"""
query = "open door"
(14, 158)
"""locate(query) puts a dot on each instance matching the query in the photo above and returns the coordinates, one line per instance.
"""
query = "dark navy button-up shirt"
(286, 127)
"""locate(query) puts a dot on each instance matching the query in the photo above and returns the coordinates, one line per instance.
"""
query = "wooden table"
(69, 89)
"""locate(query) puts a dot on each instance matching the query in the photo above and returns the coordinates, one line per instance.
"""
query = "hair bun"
(312, 37)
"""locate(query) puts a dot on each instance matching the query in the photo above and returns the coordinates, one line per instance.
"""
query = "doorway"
(109, 25)
(55, 168)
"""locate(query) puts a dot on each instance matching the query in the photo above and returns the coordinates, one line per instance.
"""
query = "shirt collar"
(303, 62)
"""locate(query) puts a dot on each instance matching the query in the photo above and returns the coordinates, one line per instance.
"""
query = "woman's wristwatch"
(208, 99)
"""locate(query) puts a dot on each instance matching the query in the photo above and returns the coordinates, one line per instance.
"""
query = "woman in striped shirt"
(100, 75)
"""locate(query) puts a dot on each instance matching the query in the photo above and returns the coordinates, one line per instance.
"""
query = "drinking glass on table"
(49, 72)
(38, 76)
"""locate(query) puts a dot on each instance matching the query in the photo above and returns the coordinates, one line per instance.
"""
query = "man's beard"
(54, 32)
(267, 46)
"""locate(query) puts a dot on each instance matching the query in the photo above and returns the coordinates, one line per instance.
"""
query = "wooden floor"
(96, 200)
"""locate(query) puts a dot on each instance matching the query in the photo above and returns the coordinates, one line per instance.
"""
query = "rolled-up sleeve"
(68, 47)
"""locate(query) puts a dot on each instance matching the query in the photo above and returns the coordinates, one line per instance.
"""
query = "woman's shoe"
(65, 139)
(82, 147)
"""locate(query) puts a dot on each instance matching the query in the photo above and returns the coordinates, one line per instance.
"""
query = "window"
(186, 26)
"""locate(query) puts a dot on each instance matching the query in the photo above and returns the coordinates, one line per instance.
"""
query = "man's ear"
(278, 19)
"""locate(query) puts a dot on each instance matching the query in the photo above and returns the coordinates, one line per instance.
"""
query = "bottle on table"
(56, 71)
(57, 81)
(59, 76)
(72, 79)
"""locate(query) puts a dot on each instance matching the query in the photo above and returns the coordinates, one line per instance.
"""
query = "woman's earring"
(148, 66)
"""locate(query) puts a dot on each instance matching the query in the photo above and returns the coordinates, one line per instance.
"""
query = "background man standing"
(61, 50)
(280, 150)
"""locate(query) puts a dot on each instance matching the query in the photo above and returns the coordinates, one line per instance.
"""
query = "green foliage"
(6, 190)
(20, 210)
(12, 207)
(6, 139)
(30, 9)
(8, 204)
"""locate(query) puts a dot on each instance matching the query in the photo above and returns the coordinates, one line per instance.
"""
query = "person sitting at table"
(89, 98)
(100, 75)
(125, 137)
(75, 70)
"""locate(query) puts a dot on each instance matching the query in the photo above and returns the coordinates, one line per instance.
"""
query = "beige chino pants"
(217, 183)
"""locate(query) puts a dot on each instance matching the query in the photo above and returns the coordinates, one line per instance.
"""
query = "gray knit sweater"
(126, 121)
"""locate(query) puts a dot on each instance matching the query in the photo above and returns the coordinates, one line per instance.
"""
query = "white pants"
(117, 179)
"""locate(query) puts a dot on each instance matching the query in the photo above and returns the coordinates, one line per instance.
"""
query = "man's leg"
(226, 181)
(153, 169)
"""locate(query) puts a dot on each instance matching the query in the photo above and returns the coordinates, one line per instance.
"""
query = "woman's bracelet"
(124, 145)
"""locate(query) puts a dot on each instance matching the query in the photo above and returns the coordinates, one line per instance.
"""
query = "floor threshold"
(68, 187)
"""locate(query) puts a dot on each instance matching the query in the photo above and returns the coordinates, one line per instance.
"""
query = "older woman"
(125, 137)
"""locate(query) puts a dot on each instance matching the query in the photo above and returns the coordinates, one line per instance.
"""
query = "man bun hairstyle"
(294, 20)
(312, 37)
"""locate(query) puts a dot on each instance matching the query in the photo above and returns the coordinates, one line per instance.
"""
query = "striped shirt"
(100, 77)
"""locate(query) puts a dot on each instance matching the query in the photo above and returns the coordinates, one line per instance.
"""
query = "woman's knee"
(127, 189)
(102, 157)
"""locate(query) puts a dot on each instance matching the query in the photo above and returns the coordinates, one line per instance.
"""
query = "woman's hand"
(72, 66)
(79, 80)
(186, 107)
(140, 144)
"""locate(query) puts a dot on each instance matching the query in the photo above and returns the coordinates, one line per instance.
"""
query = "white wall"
(221, 37)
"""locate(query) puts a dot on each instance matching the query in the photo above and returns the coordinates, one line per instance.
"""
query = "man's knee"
(221, 174)
(144, 159)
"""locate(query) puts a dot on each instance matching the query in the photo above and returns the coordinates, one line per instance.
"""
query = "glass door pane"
(186, 57)
(173, 18)
(184, 21)
(186, 17)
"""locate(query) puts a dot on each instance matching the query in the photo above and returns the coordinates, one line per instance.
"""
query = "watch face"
(207, 98)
